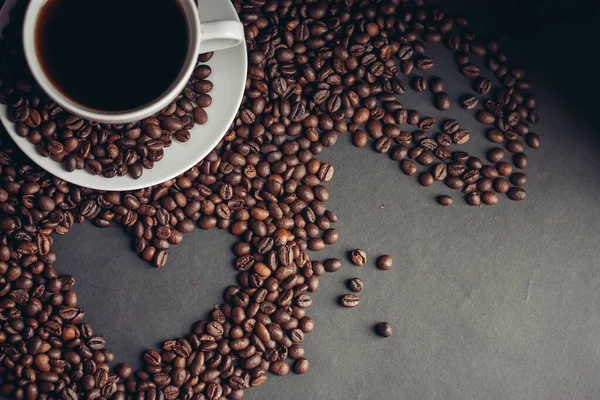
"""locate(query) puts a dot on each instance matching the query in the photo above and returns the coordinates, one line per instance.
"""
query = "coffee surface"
(111, 55)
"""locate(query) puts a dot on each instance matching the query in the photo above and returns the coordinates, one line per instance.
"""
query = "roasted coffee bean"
(470, 70)
(495, 135)
(496, 155)
(442, 101)
(473, 199)
(485, 117)
(517, 193)
(409, 167)
(518, 179)
(358, 257)
(483, 86)
(349, 300)
(520, 160)
(384, 329)
(420, 84)
(461, 136)
(501, 185)
(355, 284)
(424, 63)
(332, 265)
(533, 140)
(437, 85)
(450, 126)
(300, 366)
(426, 179)
(445, 200)
(489, 198)
(505, 169)
(469, 102)
(384, 262)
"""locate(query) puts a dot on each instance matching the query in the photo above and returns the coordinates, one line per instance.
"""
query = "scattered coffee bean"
(437, 85)
(469, 102)
(533, 140)
(358, 257)
(442, 101)
(384, 263)
(485, 117)
(445, 200)
(520, 160)
(356, 284)
(300, 366)
(473, 199)
(349, 300)
(426, 179)
(496, 155)
(489, 198)
(384, 329)
(517, 193)
(518, 179)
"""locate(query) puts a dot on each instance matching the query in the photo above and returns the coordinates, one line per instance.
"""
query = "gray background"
(494, 302)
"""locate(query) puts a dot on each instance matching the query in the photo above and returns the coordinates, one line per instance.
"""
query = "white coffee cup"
(203, 37)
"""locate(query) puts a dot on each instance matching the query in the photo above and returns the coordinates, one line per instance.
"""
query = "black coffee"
(112, 55)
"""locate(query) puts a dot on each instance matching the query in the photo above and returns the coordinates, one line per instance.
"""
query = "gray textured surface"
(497, 303)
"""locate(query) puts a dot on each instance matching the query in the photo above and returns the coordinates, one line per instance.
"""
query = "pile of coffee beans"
(317, 70)
(100, 149)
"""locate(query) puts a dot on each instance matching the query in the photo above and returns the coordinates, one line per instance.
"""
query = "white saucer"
(229, 78)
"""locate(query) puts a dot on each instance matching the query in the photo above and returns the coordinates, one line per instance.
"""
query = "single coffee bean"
(501, 185)
(355, 284)
(384, 262)
(517, 193)
(488, 171)
(518, 179)
(445, 200)
(426, 179)
(489, 198)
(384, 329)
(473, 199)
(450, 126)
(442, 101)
(409, 167)
(399, 153)
(443, 139)
(358, 257)
(515, 146)
(533, 140)
(495, 135)
(470, 70)
(469, 102)
(424, 63)
(437, 84)
(484, 184)
(485, 117)
(440, 172)
(454, 182)
(413, 117)
(360, 138)
(425, 158)
(300, 366)
(520, 160)
(496, 155)
(332, 264)
(461, 136)
(505, 169)
(349, 300)
(420, 84)
(483, 86)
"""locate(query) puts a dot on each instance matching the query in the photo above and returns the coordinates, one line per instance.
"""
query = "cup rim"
(192, 20)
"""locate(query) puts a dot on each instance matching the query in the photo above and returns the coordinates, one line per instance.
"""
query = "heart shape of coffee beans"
(317, 69)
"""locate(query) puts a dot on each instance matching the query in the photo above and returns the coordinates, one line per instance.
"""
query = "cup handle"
(220, 35)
